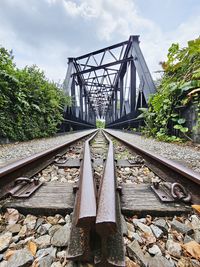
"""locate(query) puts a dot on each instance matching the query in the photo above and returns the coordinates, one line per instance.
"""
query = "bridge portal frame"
(101, 86)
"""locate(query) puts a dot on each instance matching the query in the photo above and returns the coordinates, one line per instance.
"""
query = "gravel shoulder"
(19, 150)
(186, 155)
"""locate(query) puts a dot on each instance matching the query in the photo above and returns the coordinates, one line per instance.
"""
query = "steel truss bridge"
(111, 83)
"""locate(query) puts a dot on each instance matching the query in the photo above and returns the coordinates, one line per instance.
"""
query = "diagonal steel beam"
(104, 66)
(102, 50)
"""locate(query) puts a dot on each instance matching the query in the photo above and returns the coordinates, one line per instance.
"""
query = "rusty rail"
(166, 169)
(30, 166)
(96, 229)
(86, 195)
(85, 207)
(106, 215)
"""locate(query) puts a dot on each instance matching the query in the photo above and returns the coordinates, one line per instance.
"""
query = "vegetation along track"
(74, 215)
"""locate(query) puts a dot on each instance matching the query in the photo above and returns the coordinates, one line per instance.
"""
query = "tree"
(30, 105)
(100, 124)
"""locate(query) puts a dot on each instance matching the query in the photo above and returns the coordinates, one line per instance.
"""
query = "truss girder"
(111, 83)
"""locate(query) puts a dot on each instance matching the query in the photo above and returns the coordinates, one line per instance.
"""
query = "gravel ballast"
(19, 150)
(186, 155)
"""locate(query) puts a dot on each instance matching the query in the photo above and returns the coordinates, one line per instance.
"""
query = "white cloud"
(84, 9)
(46, 32)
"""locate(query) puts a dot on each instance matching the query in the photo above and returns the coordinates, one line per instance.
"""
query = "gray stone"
(14, 228)
(143, 220)
(61, 221)
(145, 228)
(195, 222)
(63, 180)
(159, 261)
(62, 254)
(197, 235)
(30, 221)
(195, 263)
(53, 229)
(71, 264)
(173, 248)
(181, 227)
(43, 229)
(3, 264)
(21, 258)
(155, 250)
(187, 239)
(39, 222)
(135, 221)
(137, 237)
(67, 218)
(124, 226)
(156, 231)
(61, 171)
(43, 241)
(135, 253)
(5, 240)
(162, 224)
(61, 236)
(46, 251)
(1, 257)
(23, 230)
(55, 178)
(56, 264)
(46, 261)
(15, 238)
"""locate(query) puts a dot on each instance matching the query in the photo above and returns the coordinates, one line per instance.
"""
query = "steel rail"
(86, 195)
(33, 164)
(79, 247)
(96, 228)
(185, 171)
(180, 172)
(106, 222)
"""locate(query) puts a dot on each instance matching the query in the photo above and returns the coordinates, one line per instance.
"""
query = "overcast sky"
(47, 32)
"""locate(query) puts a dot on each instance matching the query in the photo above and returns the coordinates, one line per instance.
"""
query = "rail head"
(175, 166)
(106, 222)
(23, 162)
(30, 166)
(86, 194)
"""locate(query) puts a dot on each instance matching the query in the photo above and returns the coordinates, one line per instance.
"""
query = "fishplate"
(23, 187)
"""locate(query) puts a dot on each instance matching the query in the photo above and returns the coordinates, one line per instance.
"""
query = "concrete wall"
(190, 114)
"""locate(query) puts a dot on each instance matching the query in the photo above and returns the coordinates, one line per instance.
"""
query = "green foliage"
(181, 77)
(30, 105)
(100, 124)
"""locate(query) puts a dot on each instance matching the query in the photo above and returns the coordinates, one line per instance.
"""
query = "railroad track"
(97, 194)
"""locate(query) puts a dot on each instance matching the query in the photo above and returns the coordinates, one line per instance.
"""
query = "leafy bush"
(30, 105)
(180, 83)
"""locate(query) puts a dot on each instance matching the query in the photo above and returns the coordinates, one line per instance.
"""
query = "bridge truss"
(111, 83)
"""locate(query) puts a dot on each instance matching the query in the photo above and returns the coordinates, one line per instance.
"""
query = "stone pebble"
(158, 242)
(185, 154)
(149, 241)
(19, 150)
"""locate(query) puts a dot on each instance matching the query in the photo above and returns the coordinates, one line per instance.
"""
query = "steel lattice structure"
(110, 83)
